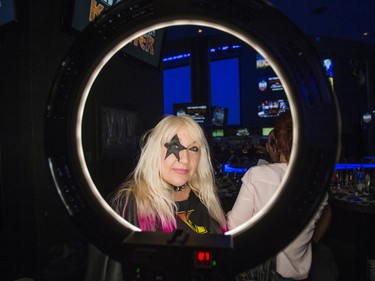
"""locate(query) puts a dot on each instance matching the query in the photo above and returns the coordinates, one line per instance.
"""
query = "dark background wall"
(128, 85)
(34, 226)
(37, 237)
(354, 77)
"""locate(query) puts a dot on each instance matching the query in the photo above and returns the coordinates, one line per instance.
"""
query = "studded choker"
(179, 188)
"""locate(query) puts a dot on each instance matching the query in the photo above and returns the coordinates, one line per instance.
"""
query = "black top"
(192, 216)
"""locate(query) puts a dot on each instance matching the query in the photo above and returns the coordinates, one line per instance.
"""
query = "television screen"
(272, 108)
(146, 48)
(266, 131)
(176, 87)
(261, 62)
(225, 87)
(218, 133)
(269, 84)
(219, 116)
(199, 112)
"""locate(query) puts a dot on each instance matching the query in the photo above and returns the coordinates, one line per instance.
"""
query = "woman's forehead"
(183, 131)
(184, 135)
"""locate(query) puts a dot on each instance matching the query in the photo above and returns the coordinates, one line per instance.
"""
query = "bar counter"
(363, 203)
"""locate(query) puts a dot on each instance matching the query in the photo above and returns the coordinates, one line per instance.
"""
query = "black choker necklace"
(179, 188)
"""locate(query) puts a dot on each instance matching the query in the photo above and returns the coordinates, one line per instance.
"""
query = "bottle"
(368, 182)
(346, 184)
(350, 180)
(333, 182)
(360, 180)
(340, 180)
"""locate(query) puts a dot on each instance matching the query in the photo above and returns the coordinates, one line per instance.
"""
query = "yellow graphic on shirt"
(184, 216)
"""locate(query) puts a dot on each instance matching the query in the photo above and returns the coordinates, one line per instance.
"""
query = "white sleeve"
(243, 208)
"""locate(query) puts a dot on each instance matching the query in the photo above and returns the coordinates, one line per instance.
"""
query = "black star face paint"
(174, 147)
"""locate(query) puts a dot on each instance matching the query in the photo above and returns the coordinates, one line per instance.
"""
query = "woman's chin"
(179, 182)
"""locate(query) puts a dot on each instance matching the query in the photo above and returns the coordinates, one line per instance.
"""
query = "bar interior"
(227, 86)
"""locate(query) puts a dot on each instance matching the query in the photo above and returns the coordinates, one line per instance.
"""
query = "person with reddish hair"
(271, 147)
(259, 185)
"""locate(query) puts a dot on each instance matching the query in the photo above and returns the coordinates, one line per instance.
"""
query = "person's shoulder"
(262, 162)
(269, 167)
(269, 172)
(279, 166)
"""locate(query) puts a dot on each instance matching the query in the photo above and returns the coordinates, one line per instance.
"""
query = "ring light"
(313, 106)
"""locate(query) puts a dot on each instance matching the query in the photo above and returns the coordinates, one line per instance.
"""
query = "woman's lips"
(181, 171)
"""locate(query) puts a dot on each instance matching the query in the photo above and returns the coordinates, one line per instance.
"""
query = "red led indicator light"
(203, 259)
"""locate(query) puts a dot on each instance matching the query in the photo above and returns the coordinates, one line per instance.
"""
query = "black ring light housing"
(316, 134)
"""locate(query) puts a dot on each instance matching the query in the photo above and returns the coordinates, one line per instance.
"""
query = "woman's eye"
(194, 149)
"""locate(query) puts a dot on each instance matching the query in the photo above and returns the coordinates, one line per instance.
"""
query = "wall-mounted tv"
(176, 87)
(272, 108)
(261, 62)
(219, 116)
(266, 131)
(218, 133)
(225, 88)
(200, 112)
(79, 13)
(269, 84)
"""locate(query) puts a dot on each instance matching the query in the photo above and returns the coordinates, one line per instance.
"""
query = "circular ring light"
(313, 105)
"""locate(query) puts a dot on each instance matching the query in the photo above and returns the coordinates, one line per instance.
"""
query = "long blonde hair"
(156, 207)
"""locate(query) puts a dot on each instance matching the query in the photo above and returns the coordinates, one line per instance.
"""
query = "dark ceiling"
(343, 19)
(350, 21)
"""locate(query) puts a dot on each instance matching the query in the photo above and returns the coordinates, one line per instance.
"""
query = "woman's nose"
(184, 156)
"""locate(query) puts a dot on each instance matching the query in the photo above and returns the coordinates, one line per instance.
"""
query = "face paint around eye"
(194, 149)
(174, 147)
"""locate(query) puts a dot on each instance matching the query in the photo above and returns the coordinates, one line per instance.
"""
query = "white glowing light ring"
(309, 100)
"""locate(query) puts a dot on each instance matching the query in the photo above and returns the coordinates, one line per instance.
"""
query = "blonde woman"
(172, 186)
